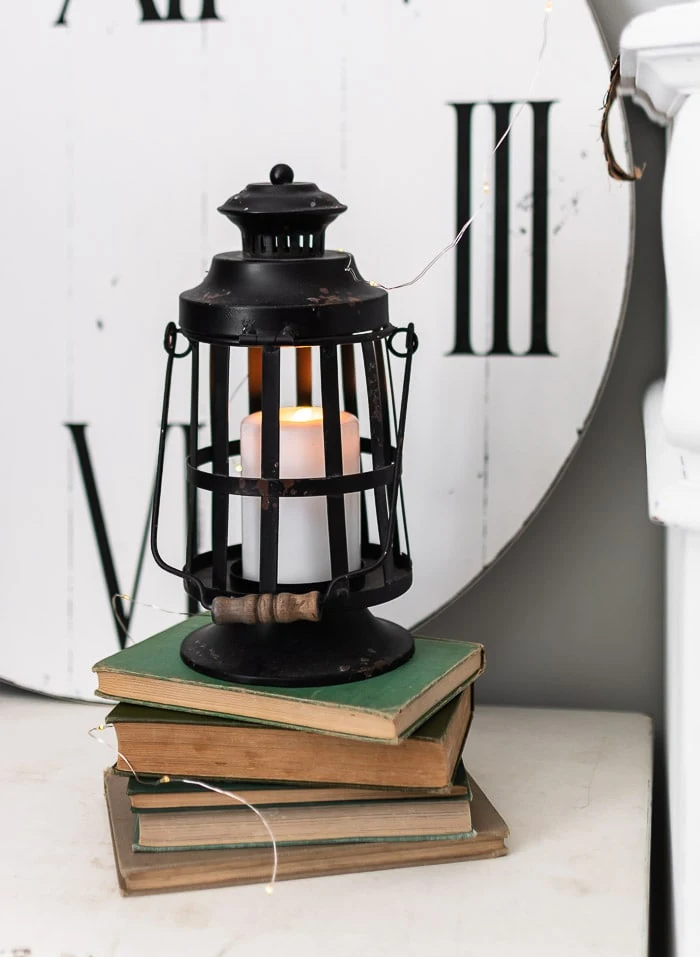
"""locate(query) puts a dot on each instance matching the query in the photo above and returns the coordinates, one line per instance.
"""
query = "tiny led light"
(486, 187)
(166, 779)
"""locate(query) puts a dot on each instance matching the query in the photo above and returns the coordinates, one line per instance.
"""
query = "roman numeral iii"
(539, 345)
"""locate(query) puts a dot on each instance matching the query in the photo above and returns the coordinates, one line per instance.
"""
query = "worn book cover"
(152, 872)
(156, 741)
(385, 708)
(236, 826)
(148, 795)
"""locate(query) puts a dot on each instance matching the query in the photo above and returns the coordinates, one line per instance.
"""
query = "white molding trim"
(674, 500)
(660, 59)
(660, 70)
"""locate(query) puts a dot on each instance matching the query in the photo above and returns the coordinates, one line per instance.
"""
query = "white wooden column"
(660, 67)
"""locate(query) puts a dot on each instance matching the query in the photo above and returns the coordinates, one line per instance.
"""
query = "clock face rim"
(534, 514)
(625, 149)
(612, 340)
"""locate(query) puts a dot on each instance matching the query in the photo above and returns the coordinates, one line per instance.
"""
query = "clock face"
(130, 121)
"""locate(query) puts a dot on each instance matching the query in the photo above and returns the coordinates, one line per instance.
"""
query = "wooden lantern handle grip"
(266, 609)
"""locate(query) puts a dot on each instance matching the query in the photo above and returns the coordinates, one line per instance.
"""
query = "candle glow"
(303, 549)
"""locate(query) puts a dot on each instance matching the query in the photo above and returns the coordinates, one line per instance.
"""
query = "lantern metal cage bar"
(285, 290)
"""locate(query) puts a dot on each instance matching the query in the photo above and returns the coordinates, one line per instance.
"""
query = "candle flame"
(301, 413)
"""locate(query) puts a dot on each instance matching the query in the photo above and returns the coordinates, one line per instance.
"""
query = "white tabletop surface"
(574, 787)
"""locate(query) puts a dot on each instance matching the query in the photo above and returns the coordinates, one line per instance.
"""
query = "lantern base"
(338, 649)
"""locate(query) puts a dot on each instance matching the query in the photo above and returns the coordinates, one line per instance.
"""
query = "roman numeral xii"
(149, 11)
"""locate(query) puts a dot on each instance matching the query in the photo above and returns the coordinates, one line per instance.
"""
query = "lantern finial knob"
(282, 219)
(281, 174)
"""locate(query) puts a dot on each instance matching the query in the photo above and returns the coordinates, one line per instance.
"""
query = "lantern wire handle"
(169, 343)
(549, 6)
(390, 352)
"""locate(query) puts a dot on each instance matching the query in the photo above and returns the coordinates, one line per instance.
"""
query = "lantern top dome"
(283, 288)
(282, 219)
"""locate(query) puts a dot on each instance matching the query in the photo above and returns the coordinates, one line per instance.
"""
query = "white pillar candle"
(303, 546)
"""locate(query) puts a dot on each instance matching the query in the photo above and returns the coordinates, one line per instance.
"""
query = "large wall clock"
(126, 122)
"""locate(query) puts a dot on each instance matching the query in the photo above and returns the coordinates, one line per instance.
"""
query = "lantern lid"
(282, 219)
(283, 288)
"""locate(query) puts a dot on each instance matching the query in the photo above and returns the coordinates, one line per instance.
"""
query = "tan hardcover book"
(155, 741)
(152, 872)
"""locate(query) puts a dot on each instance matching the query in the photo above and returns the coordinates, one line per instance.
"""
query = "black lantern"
(323, 529)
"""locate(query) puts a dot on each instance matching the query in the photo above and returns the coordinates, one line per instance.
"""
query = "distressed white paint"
(661, 64)
(659, 59)
(574, 787)
(673, 495)
(120, 139)
(614, 17)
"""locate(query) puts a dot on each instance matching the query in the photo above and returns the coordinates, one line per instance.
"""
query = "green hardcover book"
(180, 744)
(385, 708)
(425, 819)
(146, 796)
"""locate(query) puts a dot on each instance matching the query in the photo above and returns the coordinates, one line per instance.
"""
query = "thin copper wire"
(451, 245)
(238, 388)
(486, 186)
(614, 170)
(166, 779)
(144, 604)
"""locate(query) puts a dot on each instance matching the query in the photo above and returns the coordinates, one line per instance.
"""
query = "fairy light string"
(118, 598)
(486, 185)
(96, 732)
(166, 778)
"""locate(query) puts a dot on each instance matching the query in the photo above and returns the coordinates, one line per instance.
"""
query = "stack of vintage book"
(353, 777)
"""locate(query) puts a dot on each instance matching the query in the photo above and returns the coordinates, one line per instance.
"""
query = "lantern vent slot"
(282, 219)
